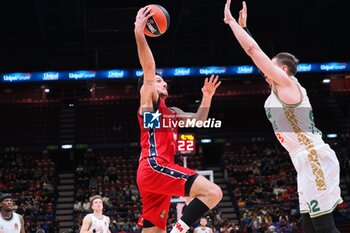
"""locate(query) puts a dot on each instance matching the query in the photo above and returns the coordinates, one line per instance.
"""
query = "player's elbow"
(252, 50)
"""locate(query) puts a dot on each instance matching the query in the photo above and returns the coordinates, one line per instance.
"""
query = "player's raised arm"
(208, 91)
(147, 91)
(261, 60)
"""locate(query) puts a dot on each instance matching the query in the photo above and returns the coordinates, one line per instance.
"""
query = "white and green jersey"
(96, 222)
(293, 124)
(315, 162)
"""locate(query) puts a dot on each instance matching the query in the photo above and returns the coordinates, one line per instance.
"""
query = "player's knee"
(215, 193)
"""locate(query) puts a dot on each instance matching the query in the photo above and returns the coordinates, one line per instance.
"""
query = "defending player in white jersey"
(96, 222)
(289, 110)
(10, 222)
(203, 228)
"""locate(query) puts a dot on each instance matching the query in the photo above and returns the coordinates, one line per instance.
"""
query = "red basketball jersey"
(159, 142)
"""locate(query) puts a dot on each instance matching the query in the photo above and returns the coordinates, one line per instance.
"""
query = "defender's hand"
(227, 12)
(243, 15)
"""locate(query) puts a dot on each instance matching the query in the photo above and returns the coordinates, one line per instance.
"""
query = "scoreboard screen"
(186, 144)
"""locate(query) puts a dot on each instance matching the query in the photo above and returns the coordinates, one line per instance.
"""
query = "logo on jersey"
(151, 120)
(280, 137)
(140, 222)
(16, 226)
(179, 227)
(162, 215)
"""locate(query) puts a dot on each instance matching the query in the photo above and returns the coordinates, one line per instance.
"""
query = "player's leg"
(206, 191)
(205, 194)
(173, 180)
(155, 204)
(308, 225)
(324, 224)
(304, 209)
(323, 202)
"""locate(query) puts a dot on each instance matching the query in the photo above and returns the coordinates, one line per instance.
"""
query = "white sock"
(180, 227)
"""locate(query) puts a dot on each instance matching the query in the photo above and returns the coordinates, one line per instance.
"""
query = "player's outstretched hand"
(141, 19)
(243, 15)
(210, 85)
(227, 12)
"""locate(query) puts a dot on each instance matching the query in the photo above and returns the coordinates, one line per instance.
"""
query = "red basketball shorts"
(158, 181)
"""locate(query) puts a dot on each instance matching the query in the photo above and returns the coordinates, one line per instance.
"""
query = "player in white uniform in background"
(96, 222)
(289, 110)
(10, 222)
(203, 226)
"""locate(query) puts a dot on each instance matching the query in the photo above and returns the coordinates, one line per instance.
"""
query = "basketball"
(159, 23)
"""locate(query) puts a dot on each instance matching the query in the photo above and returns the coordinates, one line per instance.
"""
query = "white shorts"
(318, 180)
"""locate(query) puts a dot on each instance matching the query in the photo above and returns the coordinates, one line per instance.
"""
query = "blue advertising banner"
(165, 72)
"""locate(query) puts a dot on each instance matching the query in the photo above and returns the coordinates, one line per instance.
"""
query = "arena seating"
(29, 122)
(107, 120)
(32, 182)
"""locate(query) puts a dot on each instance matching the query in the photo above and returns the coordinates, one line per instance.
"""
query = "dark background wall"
(90, 34)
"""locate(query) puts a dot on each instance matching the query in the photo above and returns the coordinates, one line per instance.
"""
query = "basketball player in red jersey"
(158, 177)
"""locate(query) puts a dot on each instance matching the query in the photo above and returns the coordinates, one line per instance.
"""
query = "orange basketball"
(159, 23)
